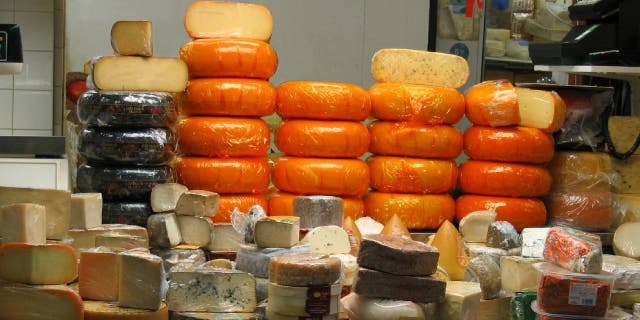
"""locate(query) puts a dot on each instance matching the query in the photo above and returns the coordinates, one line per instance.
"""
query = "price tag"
(582, 294)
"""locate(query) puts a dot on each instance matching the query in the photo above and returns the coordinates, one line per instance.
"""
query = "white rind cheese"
(163, 230)
(211, 19)
(164, 196)
(474, 226)
(298, 301)
(533, 241)
(518, 273)
(132, 38)
(24, 223)
(256, 260)
(128, 73)
(86, 210)
(359, 307)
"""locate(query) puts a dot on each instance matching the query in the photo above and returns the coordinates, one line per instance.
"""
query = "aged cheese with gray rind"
(200, 203)
(316, 211)
(296, 269)
(256, 260)
(397, 255)
(164, 196)
(502, 235)
(480, 249)
(262, 289)
(163, 230)
(484, 270)
(627, 270)
(376, 284)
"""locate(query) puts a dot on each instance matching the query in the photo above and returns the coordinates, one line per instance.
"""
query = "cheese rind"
(86, 210)
(127, 73)
(121, 242)
(475, 225)
(50, 302)
(38, 264)
(376, 284)
(328, 240)
(451, 247)
(99, 310)
(316, 211)
(98, 275)
(163, 230)
(462, 301)
(626, 241)
(24, 223)
(397, 255)
(518, 273)
(85, 239)
(164, 196)
(502, 235)
(200, 203)
(132, 38)
(256, 260)
(197, 231)
(180, 255)
(225, 238)
(296, 269)
(484, 270)
(141, 280)
(207, 19)
(277, 231)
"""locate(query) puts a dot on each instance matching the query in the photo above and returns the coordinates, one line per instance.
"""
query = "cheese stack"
(508, 143)
(413, 141)
(321, 137)
(223, 142)
(623, 131)
(128, 142)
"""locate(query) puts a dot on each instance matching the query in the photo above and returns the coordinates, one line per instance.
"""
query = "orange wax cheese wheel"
(412, 175)
(508, 144)
(414, 140)
(322, 101)
(228, 202)
(504, 179)
(492, 103)
(224, 175)
(281, 204)
(218, 58)
(416, 103)
(326, 139)
(584, 210)
(520, 212)
(229, 97)
(223, 137)
(417, 211)
(321, 176)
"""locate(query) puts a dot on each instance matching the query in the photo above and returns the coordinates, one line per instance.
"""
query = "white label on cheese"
(583, 294)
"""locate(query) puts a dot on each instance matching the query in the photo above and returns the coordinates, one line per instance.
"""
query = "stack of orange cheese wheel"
(222, 139)
(321, 136)
(506, 171)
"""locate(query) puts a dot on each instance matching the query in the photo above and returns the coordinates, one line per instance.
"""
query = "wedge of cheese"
(212, 19)
(86, 210)
(199, 203)
(38, 264)
(98, 274)
(126, 73)
(141, 280)
(196, 231)
(50, 302)
(277, 231)
(544, 110)
(449, 243)
(121, 241)
(328, 240)
(164, 197)
(84, 239)
(225, 238)
(462, 301)
(23, 222)
(132, 38)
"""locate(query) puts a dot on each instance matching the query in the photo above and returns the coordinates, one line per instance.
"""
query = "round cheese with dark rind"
(127, 109)
(122, 183)
(148, 146)
(304, 269)
(134, 213)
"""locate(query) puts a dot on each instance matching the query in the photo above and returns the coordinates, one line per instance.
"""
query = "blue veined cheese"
(211, 290)
(533, 240)
(256, 260)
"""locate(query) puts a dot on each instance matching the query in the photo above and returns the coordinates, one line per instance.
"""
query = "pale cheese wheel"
(127, 73)
(304, 269)
(626, 241)
(19, 301)
(412, 175)
(212, 19)
(38, 264)
(101, 310)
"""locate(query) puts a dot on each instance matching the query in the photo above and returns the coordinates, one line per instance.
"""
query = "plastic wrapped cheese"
(134, 213)
(624, 208)
(574, 250)
(625, 240)
(119, 183)
(504, 179)
(575, 171)
(256, 260)
(584, 210)
(626, 269)
(412, 175)
(322, 138)
(243, 202)
(417, 211)
(626, 180)
(224, 175)
(229, 97)
(149, 146)
(411, 139)
(492, 103)
(281, 204)
(520, 212)
(508, 144)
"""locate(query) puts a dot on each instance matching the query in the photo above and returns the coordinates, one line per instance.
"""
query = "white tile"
(36, 29)
(6, 5)
(33, 110)
(6, 81)
(6, 132)
(34, 5)
(37, 72)
(6, 108)
(58, 67)
(58, 29)
(6, 16)
(32, 133)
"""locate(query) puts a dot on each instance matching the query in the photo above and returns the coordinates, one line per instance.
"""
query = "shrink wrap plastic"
(417, 211)
(149, 146)
(504, 179)
(412, 175)
(410, 139)
(583, 210)
(573, 171)
(19, 301)
(510, 144)
(229, 97)
(492, 103)
(243, 202)
(326, 139)
(224, 175)
(322, 101)
(358, 307)
(120, 183)
(624, 208)
(245, 223)
(574, 250)
(626, 270)
(520, 212)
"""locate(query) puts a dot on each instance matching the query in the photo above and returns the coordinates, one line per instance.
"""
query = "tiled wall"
(27, 99)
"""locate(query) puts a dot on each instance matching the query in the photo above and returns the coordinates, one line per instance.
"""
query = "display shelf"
(508, 63)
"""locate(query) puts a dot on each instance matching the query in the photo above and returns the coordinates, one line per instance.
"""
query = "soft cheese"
(474, 226)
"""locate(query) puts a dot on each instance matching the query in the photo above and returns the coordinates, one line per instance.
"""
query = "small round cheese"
(305, 269)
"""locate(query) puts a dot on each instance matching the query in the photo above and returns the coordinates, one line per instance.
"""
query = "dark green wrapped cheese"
(148, 146)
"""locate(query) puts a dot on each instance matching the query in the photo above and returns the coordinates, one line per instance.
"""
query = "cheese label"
(318, 301)
(582, 294)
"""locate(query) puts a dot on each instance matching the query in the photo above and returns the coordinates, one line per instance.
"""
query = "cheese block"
(50, 302)
(132, 213)
(376, 284)
(475, 225)
(205, 19)
(38, 264)
(624, 208)
(228, 203)
(328, 240)
(84, 239)
(98, 274)
(533, 240)
(322, 101)
(574, 171)
(216, 316)
(626, 172)
(262, 291)
(494, 309)
(397, 255)
(132, 38)
(229, 97)
(164, 197)
(520, 212)
(409, 139)
(396, 227)
(211, 290)
(349, 268)
(449, 243)
(122, 183)
(627, 270)
(24, 223)
(277, 232)
(225, 238)
(574, 250)
(224, 175)
(304, 301)
(321, 176)
(56, 202)
(218, 264)
(484, 270)
(481, 249)
(584, 210)
(504, 179)
(411, 175)
(426, 104)
(322, 138)
(508, 144)
(127, 109)
(121, 241)
(518, 274)
(521, 306)
(368, 225)
(141, 280)
(316, 211)
(359, 307)
(199, 203)
(86, 210)
(461, 301)
(492, 103)
(223, 137)
(625, 240)
(196, 231)
(281, 204)
(125, 73)
(99, 310)
(623, 132)
(235, 58)
(294, 269)
(497, 34)
(256, 260)
(180, 255)
(417, 211)
(418, 66)
(502, 235)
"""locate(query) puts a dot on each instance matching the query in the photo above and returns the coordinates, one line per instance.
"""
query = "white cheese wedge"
(256, 260)
(164, 231)
(474, 226)
(38, 264)
(211, 19)
(317, 211)
(297, 301)
(349, 268)
(50, 302)
(127, 73)
(141, 280)
(461, 302)
(199, 203)
(368, 225)
(533, 241)
(360, 307)
(211, 290)
(98, 274)
(196, 231)
(132, 38)
(518, 273)
(225, 238)
(544, 110)
(627, 270)
(86, 210)
(626, 241)
(164, 197)
(100, 310)
(23, 222)
(121, 242)
(277, 231)
(328, 240)
(85, 239)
